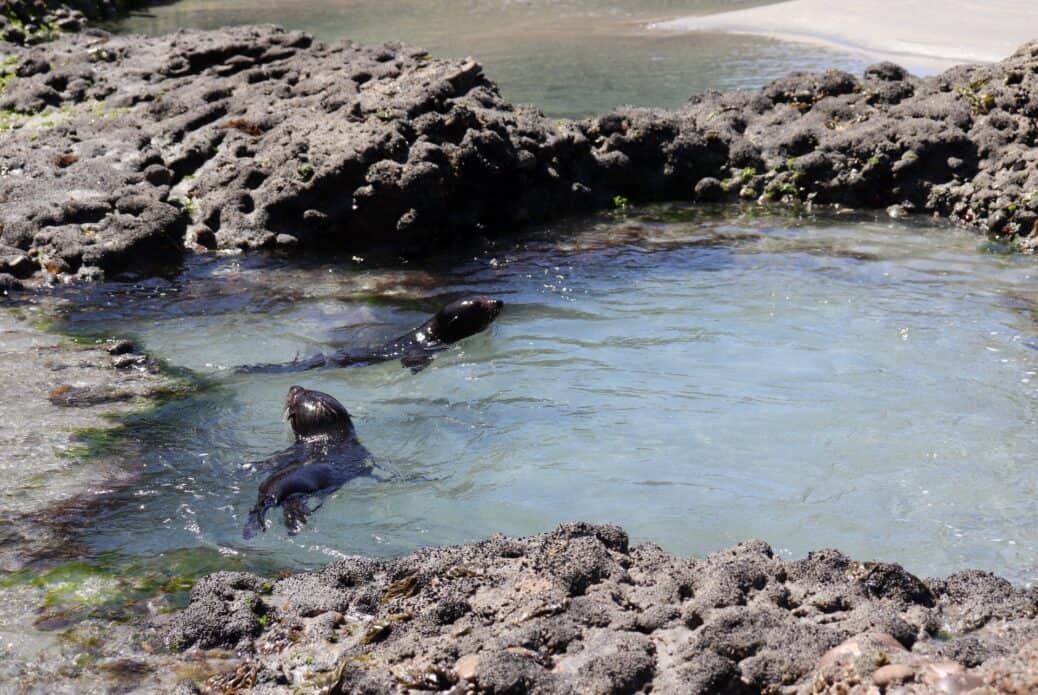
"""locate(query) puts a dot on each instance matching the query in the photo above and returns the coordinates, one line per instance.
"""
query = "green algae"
(7, 74)
(116, 587)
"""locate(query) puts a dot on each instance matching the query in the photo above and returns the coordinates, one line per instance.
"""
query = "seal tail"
(315, 362)
(256, 523)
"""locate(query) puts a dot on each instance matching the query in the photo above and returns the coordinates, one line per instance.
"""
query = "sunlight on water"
(864, 385)
(571, 59)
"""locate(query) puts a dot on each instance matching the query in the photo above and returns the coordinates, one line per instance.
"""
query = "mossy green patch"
(117, 587)
(979, 102)
(101, 110)
(96, 442)
(7, 74)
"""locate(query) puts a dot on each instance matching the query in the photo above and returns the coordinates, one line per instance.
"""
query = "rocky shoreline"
(581, 610)
(123, 153)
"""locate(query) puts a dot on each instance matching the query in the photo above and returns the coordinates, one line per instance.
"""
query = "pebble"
(892, 673)
(466, 666)
(120, 347)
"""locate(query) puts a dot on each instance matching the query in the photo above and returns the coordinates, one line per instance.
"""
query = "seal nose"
(290, 401)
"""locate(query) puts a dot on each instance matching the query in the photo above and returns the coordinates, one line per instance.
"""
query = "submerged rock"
(121, 152)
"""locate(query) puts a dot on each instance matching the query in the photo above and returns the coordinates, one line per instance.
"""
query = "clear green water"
(571, 58)
(699, 378)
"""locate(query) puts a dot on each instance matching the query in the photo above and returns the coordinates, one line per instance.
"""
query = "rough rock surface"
(579, 610)
(118, 152)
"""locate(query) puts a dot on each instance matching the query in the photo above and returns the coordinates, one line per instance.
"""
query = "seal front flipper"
(256, 523)
(296, 511)
(417, 360)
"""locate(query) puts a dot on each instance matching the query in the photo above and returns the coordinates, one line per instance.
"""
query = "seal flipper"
(420, 358)
(296, 511)
(256, 523)
(416, 362)
(315, 362)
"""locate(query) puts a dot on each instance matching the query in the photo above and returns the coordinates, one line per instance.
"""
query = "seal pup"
(326, 454)
(415, 349)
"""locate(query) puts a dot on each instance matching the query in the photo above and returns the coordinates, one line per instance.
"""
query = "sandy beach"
(921, 34)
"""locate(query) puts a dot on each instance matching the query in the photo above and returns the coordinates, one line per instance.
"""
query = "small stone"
(9, 283)
(68, 396)
(20, 266)
(892, 673)
(32, 66)
(847, 649)
(57, 266)
(90, 273)
(957, 683)
(709, 190)
(127, 361)
(120, 347)
(466, 666)
(897, 211)
(937, 670)
(203, 236)
(14, 35)
(856, 646)
(286, 240)
(70, 24)
(889, 72)
(158, 175)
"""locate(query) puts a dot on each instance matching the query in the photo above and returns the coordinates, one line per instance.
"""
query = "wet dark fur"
(326, 455)
(414, 349)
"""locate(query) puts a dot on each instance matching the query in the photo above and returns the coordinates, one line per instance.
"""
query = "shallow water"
(700, 378)
(572, 59)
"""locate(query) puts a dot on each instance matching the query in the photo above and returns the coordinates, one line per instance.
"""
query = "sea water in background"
(699, 378)
(573, 58)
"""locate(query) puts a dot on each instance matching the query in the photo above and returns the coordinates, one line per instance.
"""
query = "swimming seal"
(326, 454)
(414, 349)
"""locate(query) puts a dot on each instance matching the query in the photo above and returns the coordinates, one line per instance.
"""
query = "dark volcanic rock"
(225, 610)
(503, 616)
(119, 150)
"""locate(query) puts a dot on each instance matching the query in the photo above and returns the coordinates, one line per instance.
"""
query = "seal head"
(465, 317)
(314, 414)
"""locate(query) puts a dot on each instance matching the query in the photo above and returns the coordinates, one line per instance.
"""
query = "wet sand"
(922, 35)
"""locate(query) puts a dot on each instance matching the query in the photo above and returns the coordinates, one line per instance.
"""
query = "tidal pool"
(573, 58)
(700, 377)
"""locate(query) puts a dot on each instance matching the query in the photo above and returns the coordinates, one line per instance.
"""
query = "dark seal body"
(325, 455)
(414, 349)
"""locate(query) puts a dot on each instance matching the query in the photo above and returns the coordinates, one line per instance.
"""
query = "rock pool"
(700, 377)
